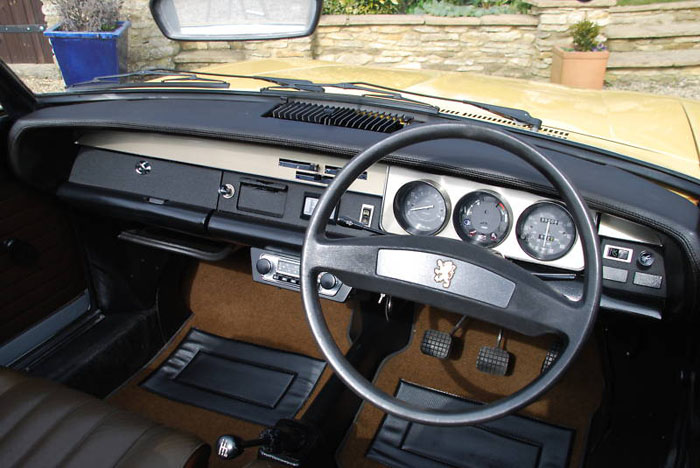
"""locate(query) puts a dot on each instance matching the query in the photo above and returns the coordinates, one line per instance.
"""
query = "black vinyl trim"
(134, 207)
(244, 380)
(512, 441)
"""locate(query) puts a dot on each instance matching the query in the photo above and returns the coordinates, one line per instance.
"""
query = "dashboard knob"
(645, 259)
(263, 266)
(328, 281)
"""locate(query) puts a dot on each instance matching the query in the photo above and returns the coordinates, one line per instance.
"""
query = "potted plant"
(582, 66)
(89, 40)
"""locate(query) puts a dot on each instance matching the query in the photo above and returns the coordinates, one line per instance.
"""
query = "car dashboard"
(195, 192)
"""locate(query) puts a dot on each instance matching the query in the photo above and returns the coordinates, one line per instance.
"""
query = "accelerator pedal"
(494, 360)
(552, 355)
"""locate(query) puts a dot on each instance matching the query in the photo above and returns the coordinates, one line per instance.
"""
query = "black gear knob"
(229, 447)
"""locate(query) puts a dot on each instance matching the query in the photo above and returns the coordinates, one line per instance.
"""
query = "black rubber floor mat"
(243, 380)
(512, 441)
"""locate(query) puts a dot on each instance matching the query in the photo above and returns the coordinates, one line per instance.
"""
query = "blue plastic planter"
(84, 55)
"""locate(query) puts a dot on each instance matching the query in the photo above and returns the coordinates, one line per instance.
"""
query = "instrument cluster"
(517, 224)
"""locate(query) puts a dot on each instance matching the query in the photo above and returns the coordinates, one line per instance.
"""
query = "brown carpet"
(570, 403)
(225, 301)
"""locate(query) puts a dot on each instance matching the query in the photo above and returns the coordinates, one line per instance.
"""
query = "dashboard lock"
(143, 168)
(227, 191)
(646, 259)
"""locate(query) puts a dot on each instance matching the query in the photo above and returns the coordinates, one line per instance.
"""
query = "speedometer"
(421, 208)
(546, 231)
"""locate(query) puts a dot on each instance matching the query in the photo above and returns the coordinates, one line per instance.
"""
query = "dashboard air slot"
(337, 116)
(334, 170)
(313, 177)
(304, 166)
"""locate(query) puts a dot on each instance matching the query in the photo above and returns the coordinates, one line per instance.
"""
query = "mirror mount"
(235, 20)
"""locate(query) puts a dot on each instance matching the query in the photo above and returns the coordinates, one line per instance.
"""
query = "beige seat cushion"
(44, 424)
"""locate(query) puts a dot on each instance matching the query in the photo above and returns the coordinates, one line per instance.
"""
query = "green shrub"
(584, 34)
(425, 7)
(468, 8)
(363, 7)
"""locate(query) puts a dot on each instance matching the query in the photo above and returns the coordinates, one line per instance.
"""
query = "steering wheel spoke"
(451, 275)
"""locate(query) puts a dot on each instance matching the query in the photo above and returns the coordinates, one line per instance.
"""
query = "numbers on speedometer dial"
(546, 231)
(421, 208)
(482, 218)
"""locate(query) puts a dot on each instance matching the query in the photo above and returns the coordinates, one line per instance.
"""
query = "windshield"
(516, 62)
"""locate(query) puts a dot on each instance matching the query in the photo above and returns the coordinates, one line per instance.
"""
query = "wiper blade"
(516, 115)
(306, 85)
(171, 78)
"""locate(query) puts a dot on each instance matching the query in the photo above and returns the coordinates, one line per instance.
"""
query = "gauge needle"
(546, 234)
(426, 207)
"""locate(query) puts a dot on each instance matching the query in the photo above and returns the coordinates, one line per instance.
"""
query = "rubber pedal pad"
(493, 360)
(436, 344)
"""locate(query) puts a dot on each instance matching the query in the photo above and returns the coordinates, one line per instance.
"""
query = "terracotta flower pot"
(579, 69)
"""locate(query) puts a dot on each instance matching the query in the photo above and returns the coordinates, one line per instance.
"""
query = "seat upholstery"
(44, 424)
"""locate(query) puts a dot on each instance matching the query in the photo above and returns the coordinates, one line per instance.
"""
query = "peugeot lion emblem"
(444, 272)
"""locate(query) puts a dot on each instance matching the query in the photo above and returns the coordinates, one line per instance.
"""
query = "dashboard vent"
(564, 135)
(340, 117)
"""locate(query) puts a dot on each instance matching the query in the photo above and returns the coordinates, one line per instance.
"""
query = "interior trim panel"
(268, 161)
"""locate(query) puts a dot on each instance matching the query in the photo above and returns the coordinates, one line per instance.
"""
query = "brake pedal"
(439, 344)
(552, 355)
(494, 360)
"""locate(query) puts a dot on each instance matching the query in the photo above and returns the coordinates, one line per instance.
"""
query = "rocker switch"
(366, 215)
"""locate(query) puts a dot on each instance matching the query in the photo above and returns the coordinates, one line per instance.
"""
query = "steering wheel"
(451, 275)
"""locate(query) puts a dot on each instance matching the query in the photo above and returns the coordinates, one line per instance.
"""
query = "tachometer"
(482, 218)
(421, 208)
(546, 231)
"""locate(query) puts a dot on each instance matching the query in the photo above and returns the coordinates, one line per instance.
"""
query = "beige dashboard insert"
(246, 158)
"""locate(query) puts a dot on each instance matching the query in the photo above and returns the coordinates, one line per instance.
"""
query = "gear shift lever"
(285, 437)
(229, 447)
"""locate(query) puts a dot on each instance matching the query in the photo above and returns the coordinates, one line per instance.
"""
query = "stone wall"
(651, 39)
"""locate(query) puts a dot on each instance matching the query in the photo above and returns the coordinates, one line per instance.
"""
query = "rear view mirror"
(235, 20)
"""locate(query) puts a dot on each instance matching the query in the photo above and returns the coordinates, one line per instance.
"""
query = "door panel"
(31, 290)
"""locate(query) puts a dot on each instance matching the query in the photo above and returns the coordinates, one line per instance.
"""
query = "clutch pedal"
(439, 344)
(494, 360)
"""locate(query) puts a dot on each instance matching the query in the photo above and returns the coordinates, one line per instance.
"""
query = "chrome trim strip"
(44, 330)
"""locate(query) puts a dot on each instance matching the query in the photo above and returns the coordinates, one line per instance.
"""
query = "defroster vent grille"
(340, 116)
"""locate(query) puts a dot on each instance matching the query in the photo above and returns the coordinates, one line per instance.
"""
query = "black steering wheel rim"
(319, 254)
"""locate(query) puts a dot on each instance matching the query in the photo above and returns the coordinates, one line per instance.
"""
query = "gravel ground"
(47, 80)
(44, 85)
(681, 86)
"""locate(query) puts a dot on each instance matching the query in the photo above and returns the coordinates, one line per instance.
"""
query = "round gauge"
(546, 231)
(421, 208)
(482, 218)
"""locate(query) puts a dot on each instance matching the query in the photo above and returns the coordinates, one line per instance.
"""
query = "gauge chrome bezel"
(526, 212)
(398, 214)
(458, 209)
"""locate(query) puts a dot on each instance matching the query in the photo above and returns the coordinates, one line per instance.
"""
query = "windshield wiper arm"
(175, 78)
(516, 115)
(171, 78)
